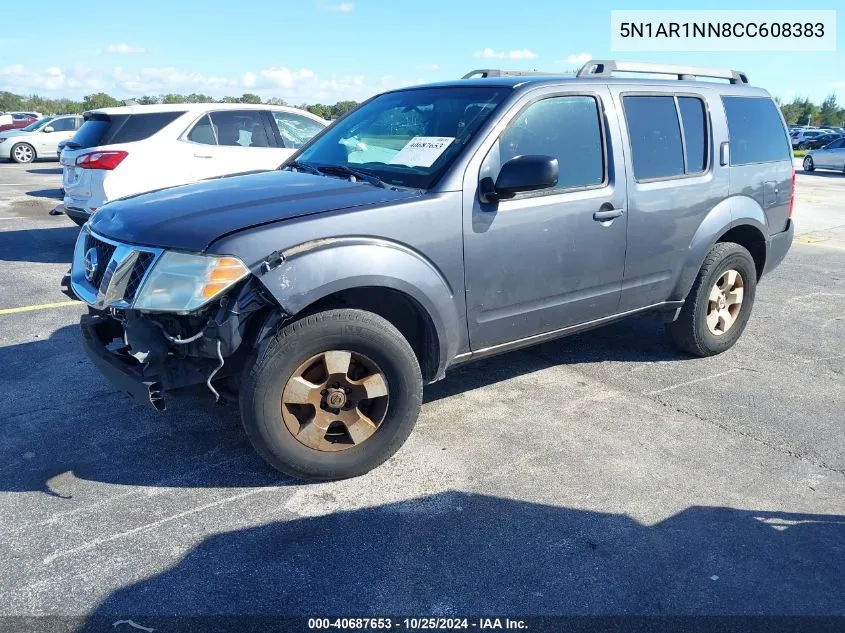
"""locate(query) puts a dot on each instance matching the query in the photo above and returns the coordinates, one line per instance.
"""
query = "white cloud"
(341, 7)
(21, 79)
(168, 79)
(522, 53)
(577, 59)
(429, 67)
(124, 49)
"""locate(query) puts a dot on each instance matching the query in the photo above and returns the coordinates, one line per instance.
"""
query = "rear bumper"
(778, 247)
(97, 333)
(76, 214)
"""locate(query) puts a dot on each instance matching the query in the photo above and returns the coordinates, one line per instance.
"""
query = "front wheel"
(808, 163)
(22, 153)
(716, 311)
(334, 395)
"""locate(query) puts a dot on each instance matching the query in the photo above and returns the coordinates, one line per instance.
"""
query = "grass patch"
(800, 153)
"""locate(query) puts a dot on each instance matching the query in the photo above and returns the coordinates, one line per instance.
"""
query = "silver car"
(38, 140)
(831, 156)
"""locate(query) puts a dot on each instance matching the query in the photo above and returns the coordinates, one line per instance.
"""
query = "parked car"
(831, 156)
(432, 226)
(132, 149)
(39, 139)
(15, 121)
(820, 141)
(61, 146)
(800, 140)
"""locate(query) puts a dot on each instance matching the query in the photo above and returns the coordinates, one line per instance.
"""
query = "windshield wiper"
(343, 170)
(299, 166)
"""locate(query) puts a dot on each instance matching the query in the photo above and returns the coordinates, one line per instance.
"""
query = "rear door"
(673, 183)
(233, 141)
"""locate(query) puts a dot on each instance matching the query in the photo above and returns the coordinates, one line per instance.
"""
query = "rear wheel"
(718, 306)
(22, 153)
(808, 163)
(803, 146)
(334, 395)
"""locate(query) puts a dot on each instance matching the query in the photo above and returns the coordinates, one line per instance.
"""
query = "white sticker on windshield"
(422, 151)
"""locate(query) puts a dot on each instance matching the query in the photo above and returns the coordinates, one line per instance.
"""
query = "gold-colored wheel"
(724, 302)
(335, 400)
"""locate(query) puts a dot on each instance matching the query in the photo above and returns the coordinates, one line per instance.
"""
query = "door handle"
(607, 214)
(203, 156)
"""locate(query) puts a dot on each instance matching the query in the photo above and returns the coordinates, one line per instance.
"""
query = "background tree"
(99, 100)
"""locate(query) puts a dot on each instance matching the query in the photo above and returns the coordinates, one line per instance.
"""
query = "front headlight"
(183, 282)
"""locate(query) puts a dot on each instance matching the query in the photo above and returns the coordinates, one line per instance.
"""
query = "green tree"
(147, 100)
(10, 101)
(249, 97)
(342, 107)
(830, 113)
(99, 100)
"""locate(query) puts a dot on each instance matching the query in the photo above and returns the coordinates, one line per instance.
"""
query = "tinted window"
(655, 137)
(137, 127)
(836, 144)
(65, 124)
(567, 128)
(202, 132)
(756, 131)
(243, 128)
(694, 121)
(296, 130)
(102, 129)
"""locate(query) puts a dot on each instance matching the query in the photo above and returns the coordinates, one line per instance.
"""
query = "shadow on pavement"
(822, 173)
(50, 246)
(53, 194)
(106, 437)
(57, 171)
(458, 553)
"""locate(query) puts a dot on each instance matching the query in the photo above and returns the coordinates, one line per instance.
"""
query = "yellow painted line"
(808, 239)
(43, 306)
(814, 241)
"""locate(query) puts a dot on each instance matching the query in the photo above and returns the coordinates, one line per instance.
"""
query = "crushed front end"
(161, 321)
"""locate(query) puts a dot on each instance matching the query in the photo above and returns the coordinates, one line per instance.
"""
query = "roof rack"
(496, 72)
(606, 68)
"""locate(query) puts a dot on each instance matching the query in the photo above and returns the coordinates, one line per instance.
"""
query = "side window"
(836, 144)
(656, 148)
(240, 128)
(568, 128)
(755, 130)
(65, 124)
(696, 138)
(296, 130)
(203, 132)
(138, 127)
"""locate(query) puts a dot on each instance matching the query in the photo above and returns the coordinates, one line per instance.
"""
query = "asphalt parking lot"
(601, 474)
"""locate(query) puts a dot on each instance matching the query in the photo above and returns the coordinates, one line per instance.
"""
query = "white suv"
(124, 151)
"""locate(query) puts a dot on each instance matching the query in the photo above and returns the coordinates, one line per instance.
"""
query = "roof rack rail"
(496, 72)
(606, 68)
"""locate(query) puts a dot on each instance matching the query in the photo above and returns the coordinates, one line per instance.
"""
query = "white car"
(39, 139)
(128, 150)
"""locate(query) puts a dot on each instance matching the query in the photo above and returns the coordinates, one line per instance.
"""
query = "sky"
(329, 50)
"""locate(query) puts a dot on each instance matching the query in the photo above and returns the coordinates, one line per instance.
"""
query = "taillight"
(101, 160)
(792, 195)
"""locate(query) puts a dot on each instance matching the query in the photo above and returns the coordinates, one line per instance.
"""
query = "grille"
(104, 253)
(138, 271)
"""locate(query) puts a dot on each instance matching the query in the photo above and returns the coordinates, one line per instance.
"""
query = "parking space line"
(43, 306)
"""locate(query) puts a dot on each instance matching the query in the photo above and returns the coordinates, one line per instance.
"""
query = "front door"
(547, 259)
(63, 128)
(831, 156)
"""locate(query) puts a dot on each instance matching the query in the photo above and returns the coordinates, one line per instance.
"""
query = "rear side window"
(696, 139)
(102, 129)
(567, 128)
(755, 130)
(655, 133)
(203, 132)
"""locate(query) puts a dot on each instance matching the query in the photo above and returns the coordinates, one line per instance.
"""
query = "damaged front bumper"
(146, 383)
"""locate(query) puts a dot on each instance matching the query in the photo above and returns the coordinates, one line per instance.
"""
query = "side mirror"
(48, 129)
(521, 173)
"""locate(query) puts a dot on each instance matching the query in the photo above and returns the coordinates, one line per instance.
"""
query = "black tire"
(353, 330)
(803, 146)
(16, 159)
(808, 163)
(690, 332)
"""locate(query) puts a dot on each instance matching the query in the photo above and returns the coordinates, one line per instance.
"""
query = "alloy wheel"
(335, 400)
(808, 163)
(23, 153)
(725, 302)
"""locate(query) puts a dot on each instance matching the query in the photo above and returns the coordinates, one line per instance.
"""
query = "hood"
(191, 217)
(13, 132)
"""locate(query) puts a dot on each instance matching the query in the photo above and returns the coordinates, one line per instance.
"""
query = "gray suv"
(433, 226)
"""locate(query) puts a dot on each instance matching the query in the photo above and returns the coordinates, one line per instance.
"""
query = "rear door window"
(655, 133)
(755, 130)
(241, 128)
(203, 132)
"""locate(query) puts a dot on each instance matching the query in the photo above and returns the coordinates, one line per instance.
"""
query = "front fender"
(314, 270)
(731, 212)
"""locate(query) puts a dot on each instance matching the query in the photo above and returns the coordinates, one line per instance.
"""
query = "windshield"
(37, 124)
(407, 138)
